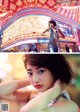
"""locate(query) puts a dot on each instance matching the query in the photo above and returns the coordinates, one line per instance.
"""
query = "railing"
(33, 35)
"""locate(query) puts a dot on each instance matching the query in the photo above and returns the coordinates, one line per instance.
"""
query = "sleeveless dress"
(53, 40)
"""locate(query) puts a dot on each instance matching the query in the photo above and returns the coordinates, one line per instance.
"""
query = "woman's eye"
(41, 71)
(29, 73)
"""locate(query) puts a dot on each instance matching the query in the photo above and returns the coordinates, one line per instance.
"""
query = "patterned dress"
(53, 40)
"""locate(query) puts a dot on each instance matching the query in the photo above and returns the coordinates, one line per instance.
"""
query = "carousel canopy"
(68, 8)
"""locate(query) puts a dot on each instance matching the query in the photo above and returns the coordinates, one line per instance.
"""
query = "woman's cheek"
(30, 80)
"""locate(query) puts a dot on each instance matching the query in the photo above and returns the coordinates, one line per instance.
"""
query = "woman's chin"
(42, 90)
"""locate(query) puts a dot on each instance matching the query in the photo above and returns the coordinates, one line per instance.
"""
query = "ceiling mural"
(26, 27)
(68, 8)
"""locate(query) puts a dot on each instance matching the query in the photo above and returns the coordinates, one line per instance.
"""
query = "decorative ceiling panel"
(67, 8)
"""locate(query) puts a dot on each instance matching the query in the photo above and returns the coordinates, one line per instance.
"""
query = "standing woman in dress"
(54, 36)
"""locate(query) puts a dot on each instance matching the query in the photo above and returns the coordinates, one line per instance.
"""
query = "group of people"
(49, 74)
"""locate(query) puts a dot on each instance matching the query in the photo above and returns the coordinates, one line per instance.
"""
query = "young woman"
(54, 36)
(49, 74)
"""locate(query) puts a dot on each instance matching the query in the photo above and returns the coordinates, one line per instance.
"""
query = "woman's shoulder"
(65, 106)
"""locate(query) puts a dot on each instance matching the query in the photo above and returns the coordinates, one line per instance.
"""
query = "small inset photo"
(4, 107)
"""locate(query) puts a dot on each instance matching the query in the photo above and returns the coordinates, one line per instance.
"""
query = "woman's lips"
(38, 86)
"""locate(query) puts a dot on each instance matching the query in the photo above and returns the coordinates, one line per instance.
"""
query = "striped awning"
(68, 8)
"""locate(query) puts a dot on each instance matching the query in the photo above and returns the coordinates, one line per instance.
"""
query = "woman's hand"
(42, 33)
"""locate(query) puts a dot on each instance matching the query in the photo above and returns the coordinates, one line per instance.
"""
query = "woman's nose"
(35, 78)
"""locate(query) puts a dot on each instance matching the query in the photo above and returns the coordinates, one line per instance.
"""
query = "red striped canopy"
(68, 8)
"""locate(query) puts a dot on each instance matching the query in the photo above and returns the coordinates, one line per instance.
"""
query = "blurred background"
(12, 68)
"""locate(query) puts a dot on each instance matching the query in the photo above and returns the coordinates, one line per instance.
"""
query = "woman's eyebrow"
(29, 70)
(36, 68)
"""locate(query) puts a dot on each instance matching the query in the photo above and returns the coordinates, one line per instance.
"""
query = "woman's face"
(40, 78)
(51, 25)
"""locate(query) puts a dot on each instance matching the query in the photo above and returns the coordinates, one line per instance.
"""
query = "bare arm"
(19, 96)
(62, 35)
(44, 99)
(45, 31)
(11, 86)
(40, 103)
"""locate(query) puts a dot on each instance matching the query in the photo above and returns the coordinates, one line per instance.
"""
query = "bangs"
(33, 59)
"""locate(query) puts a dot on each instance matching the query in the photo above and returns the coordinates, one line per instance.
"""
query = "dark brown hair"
(55, 63)
(53, 22)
